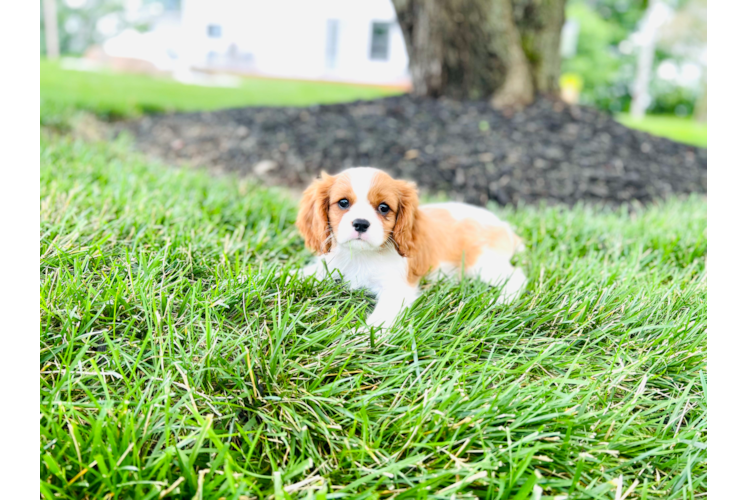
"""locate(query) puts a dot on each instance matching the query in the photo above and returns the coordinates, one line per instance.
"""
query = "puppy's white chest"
(373, 271)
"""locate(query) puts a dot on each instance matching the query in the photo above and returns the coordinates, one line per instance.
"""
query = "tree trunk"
(503, 50)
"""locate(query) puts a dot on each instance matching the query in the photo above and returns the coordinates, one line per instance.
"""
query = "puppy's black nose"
(361, 225)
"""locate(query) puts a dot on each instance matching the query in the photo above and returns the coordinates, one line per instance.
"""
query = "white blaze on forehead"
(361, 180)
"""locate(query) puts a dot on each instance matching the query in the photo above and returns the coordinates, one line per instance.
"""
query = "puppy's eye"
(343, 203)
(383, 208)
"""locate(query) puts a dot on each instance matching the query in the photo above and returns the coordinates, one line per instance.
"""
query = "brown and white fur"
(383, 241)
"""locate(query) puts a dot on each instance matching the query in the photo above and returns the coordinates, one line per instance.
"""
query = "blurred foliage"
(606, 67)
(595, 59)
(625, 14)
(670, 98)
(79, 24)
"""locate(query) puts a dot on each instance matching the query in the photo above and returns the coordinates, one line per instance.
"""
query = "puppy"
(370, 228)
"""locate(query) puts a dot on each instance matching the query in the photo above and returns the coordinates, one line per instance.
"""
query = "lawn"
(176, 362)
(678, 129)
(170, 349)
(118, 95)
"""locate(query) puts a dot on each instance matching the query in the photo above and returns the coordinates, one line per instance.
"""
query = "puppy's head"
(362, 209)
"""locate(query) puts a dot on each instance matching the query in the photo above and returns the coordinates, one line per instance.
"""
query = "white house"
(354, 41)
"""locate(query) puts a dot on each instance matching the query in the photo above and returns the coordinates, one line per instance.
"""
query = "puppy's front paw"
(360, 330)
(294, 274)
(315, 270)
(366, 335)
(379, 321)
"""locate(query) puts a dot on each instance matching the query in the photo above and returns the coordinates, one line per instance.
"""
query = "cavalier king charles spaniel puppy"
(369, 227)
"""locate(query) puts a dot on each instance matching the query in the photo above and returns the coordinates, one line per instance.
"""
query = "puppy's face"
(361, 209)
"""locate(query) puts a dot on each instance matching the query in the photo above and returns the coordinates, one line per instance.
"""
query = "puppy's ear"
(312, 221)
(405, 232)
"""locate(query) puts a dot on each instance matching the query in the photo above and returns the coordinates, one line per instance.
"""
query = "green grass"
(117, 95)
(173, 356)
(684, 130)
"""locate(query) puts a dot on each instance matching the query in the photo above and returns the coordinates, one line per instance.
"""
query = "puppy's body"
(370, 228)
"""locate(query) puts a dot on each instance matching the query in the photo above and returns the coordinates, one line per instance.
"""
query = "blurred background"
(643, 61)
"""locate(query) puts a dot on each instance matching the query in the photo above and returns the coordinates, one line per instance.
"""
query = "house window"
(214, 30)
(331, 44)
(380, 41)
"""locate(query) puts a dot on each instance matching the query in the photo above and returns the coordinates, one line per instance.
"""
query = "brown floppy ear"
(405, 231)
(312, 220)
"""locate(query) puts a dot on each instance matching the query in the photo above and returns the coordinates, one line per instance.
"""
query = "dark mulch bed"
(548, 151)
